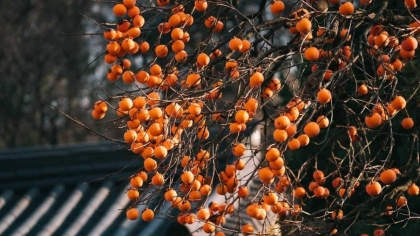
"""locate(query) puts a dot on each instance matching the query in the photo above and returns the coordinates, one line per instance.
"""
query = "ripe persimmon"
(144, 47)
(210, 21)
(241, 116)
(235, 44)
(379, 232)
(125, 104)
(134, 32)
(133, 12)
(187, 177)
(148, 215)
(323, 121)
(346, 9)
(311, 129)
(253, 210)
(398, 103)
(280, 135)
(277, 7)
(150, 164)
(133, 194)
(401, 201)
(246, 45)
(174, 20)
(256, 79)
(109, 34)
(128, 77)
(174, 110)
(162, 3)
(161, 50)
(312, 54)
(318, 175)
(203, 214)
(373, 188)
(200, 5)
(247, 229)
(388, 176)
(282, 122)
(109, 59)
(407, 55)
(413, 190)
(409, 44)
(293, 144)
(185, 205)
(170, 195)
(100, 106)
(373, 120)
(407, 123)
(136, 181)
(203, 59)
(219, 27)
(119, 10)
(239, 149)
(319, 191)
(411, 4)
(265, 174)
(304, 26)
(132, 214)
(177, 34)
(181, 56)
(299, 192)
(160, 152)
(324, 96)
(272, 154)
(193, 79)
(303, 140)
(362, 90)
(138, 21)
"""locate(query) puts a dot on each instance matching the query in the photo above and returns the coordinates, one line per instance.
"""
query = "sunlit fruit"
(399, 103)
(413, 190)
(148, 215)
(235, 44)
(312, 129)
(388, 176)
(324, 96)
(346, 9)
(373, 120)
(119, 10)
(409, 44)
(407, 123)
(256, 79)
(312, 54)
(373, 188)
(323, 121)
(362, 90)
(304, 26)
(132, 214)
(277, 7)
(293, 144)
(299, 192)
(247, 229)
(303, 140)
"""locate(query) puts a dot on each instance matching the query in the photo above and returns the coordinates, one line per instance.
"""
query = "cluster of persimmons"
(174, 105)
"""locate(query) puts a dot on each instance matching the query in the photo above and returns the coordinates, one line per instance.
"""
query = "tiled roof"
(71, 190)
(79, 190)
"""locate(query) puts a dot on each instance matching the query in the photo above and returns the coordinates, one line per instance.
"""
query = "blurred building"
(81, 190)
(71, 190)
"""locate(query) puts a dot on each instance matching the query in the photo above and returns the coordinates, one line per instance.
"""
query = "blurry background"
(44, 60)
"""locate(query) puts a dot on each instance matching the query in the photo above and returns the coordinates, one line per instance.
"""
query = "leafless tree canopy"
(313, 102)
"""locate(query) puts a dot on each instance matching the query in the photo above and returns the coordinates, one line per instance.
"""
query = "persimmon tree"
(328, 85)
